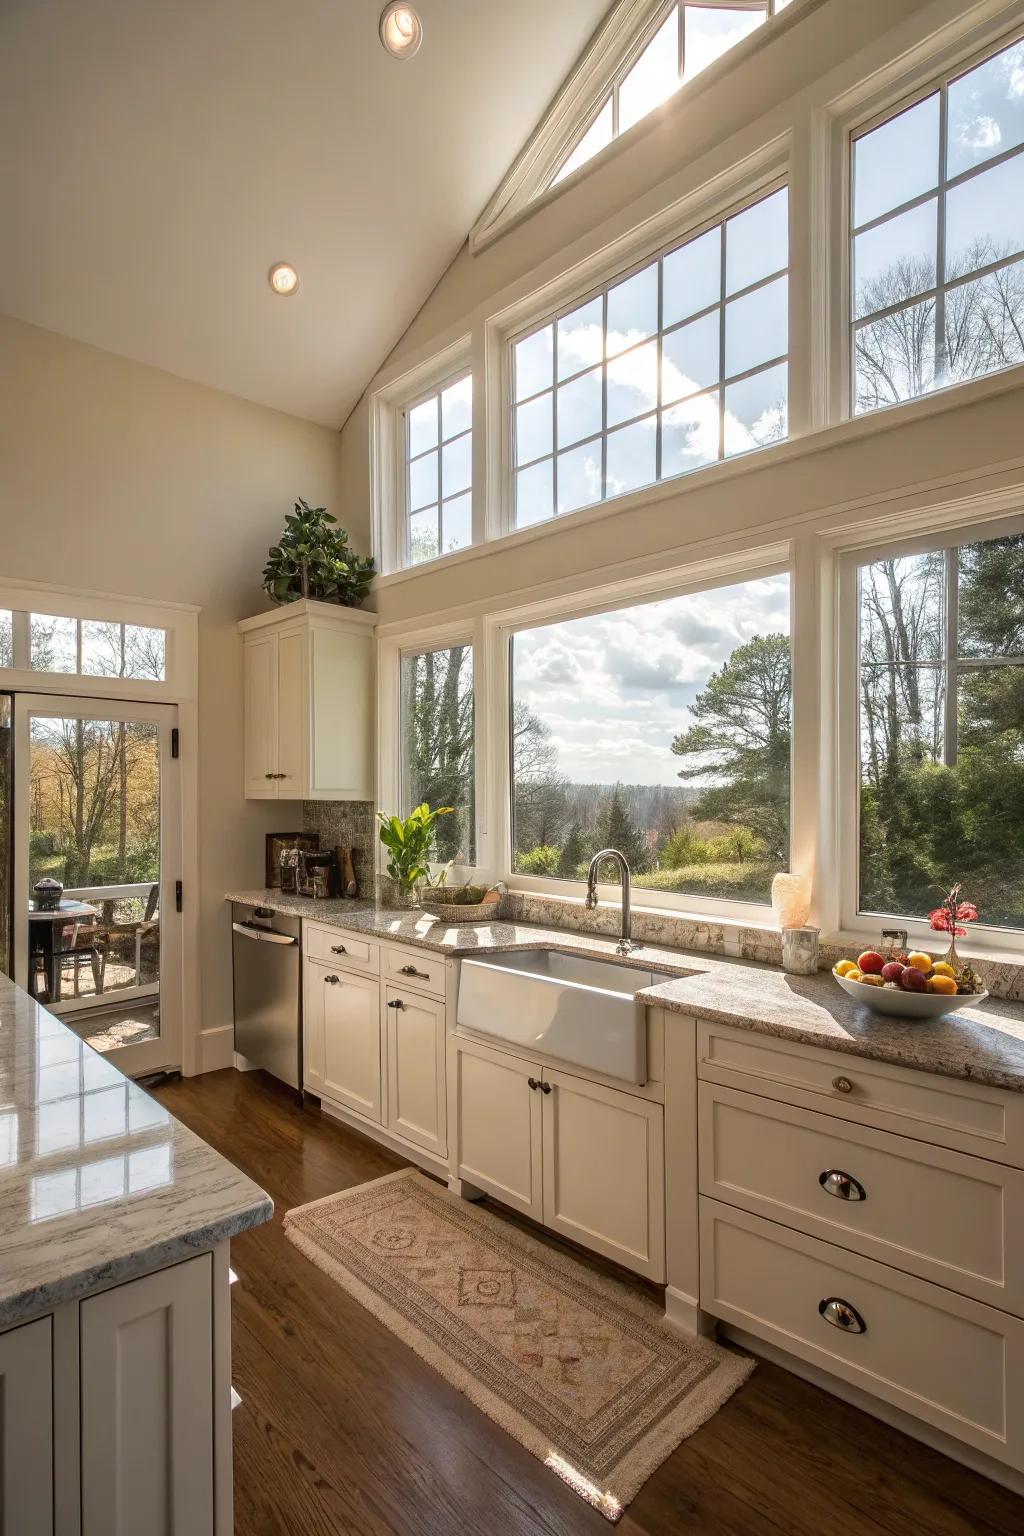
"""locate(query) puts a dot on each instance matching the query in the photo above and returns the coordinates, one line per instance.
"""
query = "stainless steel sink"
(577, 1008)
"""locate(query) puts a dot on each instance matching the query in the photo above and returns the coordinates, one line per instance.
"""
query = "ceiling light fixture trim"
(401, 30)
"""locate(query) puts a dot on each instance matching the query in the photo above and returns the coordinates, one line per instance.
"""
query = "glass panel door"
(97, 828)
(6, 851)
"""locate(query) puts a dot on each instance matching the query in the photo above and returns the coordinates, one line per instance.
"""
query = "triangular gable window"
(643, 53)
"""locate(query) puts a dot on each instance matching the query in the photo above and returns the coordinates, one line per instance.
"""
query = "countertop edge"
(95, 1278)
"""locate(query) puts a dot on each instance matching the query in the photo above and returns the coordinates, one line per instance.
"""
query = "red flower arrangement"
(948, 917)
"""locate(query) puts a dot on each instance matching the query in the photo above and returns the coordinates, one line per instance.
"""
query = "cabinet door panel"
(147, 1405)
(292, 715)
(352, 1064)
(604, 1171)
(499, 1127)
(314, 989)
(260, 663)
(416, 1077)
(26, 1430)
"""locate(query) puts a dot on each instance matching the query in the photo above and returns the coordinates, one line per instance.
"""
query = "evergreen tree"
(575, 851)
(619, 830)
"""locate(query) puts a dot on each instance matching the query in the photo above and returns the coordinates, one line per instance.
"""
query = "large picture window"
(662, 730)
(675, 366)
(942, 730)
(436, 730)
(938, 237)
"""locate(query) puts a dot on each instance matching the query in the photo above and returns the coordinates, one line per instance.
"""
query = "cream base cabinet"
(308, 690)
(499, 1127)
(26, 1430)
(415, 1047)
(604, 1171)
(350, 1054)
(146, 1352)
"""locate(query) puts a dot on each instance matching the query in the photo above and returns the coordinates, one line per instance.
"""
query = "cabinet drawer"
(944, 1359)
(950, 1218)
(415, 968)
(944, 1110)
(348, 951)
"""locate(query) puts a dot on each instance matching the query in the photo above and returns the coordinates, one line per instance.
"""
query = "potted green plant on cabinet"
(313, 559)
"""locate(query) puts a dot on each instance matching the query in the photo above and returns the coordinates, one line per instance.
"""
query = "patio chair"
(148, 931)
(84, 946)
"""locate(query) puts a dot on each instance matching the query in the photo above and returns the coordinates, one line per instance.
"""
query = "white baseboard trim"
(216, 1048)
(966, 1455)
(685, 1313)
(427, 1160)
(242, 1063)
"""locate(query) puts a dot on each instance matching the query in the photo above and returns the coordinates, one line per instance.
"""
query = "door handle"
(545, 1087)
(533, 1082)
(396, 1003)
(338, 949)
(410, 970)
(331, 981)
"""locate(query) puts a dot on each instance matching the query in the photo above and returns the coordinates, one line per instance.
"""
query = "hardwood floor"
(343, 1431)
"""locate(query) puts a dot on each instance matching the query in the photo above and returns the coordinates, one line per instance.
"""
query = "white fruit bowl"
(908, 1005)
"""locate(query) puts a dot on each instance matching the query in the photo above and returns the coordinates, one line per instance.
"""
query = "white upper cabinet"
(309, 703)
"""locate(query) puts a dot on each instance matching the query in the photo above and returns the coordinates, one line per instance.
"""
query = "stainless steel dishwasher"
(265, 954)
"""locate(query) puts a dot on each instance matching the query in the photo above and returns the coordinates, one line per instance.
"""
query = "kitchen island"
(114, 1303)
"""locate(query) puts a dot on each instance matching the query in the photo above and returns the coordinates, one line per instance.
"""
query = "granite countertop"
(98, 1182)
(983, 1043)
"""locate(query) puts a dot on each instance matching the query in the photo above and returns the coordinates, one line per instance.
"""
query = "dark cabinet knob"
(396, 1003)
(338, 949)
(410, 970)
(332, 981)
(533, 1082)
(545, 1087)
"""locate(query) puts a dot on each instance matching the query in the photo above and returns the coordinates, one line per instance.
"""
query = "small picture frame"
(276, 841)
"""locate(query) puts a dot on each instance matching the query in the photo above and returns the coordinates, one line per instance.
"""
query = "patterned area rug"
(578, 1367)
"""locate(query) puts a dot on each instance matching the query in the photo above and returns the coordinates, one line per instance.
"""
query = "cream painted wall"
(120, 478)
(808, 483)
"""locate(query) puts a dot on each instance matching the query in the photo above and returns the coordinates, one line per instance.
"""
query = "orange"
(920, 961)
(845, 967)
(944, 984)
(943, 968)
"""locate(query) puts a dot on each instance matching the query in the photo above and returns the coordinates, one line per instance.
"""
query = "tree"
(737, 750)
(438, 742)
(618, 830)
(541, 808)
(575, 851)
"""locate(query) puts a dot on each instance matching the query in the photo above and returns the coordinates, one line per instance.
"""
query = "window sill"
(791, 451)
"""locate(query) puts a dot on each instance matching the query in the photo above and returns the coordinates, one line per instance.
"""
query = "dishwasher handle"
(263, 935)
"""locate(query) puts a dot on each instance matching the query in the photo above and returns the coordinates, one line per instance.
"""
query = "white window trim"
(915, 74)
(388, 480)
(181, 687)
(616, 45)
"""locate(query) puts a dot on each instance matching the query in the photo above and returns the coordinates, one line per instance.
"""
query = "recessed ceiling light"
(401, 30)
(283, 279)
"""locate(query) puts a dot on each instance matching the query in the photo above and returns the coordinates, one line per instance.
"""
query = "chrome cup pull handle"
(843, 1186)
(842, 1315)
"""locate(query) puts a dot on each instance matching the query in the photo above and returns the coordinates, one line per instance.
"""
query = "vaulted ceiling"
(157, 156)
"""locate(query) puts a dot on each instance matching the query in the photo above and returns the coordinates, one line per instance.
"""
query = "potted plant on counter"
(409, 842)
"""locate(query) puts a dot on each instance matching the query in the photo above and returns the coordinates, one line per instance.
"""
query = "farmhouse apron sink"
(579, 1009)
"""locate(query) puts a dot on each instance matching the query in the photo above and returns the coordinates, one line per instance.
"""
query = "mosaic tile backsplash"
(346, 824)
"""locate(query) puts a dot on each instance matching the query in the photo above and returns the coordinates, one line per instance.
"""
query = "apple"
(871, 962)
(913, 980)
(892, 970)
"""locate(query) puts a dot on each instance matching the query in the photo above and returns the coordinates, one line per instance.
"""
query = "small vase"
(395, 893)
(951, 956)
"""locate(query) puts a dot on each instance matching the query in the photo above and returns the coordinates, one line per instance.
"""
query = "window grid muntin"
(439, 502)
(768, 8)
(720, 222)
(939, 193)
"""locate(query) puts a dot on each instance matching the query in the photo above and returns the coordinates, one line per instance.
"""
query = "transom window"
(942, 730)
(439, 472)
(686, 41)
(675, 366)
(938, 237)
(49, 642)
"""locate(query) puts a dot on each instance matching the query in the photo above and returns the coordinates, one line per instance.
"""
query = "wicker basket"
(432, 900)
